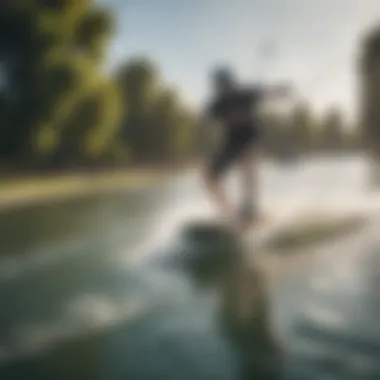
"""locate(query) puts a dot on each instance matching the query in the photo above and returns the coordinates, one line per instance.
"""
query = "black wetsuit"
(237, 113)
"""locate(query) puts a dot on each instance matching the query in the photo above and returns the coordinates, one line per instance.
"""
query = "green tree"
(138, 83)
(157, 127)
(51, 53)
(333, 130)
(274, 132)
(302, 128)
(164, 125)
(369, 79)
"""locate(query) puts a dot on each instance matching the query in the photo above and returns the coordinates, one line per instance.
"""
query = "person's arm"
(274, 92)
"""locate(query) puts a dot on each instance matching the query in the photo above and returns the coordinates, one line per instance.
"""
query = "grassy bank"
(16, 192)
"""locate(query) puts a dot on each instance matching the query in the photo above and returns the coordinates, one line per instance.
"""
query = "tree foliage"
(59, 108)
(369, 70)
(58, 104)
(156, 126)
(304, 132)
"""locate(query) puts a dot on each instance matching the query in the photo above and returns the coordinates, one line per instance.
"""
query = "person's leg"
(248, 164)
(213, 179)
(218, 195)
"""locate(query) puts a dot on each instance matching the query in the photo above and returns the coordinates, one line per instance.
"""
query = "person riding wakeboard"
(235, 108)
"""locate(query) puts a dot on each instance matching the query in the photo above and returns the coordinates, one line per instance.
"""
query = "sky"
(311, 43)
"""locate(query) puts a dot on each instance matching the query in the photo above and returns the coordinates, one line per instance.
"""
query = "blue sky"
(313, 42)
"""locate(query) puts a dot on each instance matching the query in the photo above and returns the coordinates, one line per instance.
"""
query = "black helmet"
(223, 77)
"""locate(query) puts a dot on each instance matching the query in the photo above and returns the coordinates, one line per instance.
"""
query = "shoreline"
(23, 192)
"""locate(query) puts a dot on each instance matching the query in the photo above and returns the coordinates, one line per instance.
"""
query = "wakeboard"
(203, 230)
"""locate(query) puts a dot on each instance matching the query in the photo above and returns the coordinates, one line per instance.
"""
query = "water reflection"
(72, 308)
(151, 320)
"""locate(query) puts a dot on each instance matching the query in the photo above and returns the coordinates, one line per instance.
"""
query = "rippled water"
(79, 300)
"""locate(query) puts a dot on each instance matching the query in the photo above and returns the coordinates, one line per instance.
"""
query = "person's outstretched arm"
(274, 92)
